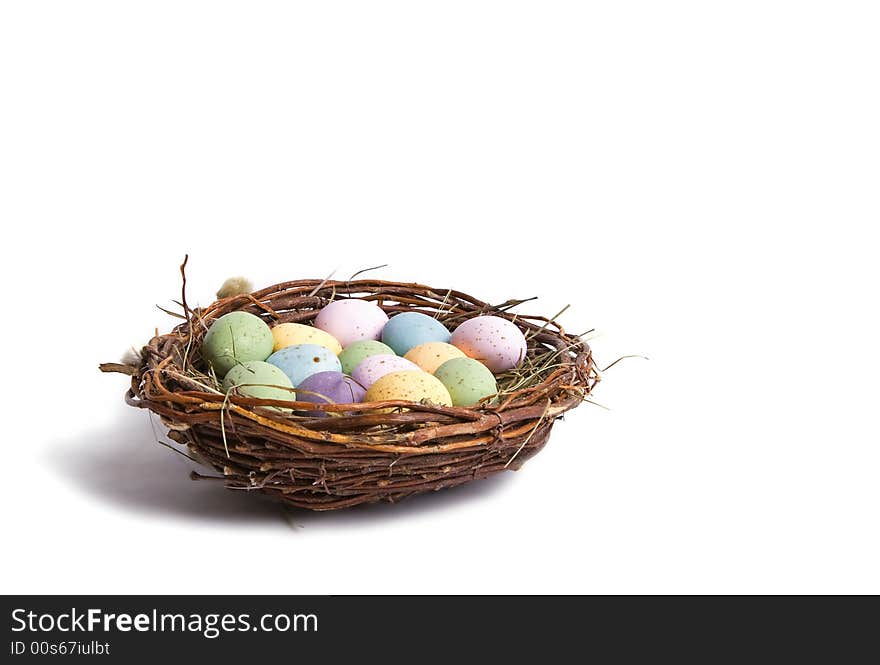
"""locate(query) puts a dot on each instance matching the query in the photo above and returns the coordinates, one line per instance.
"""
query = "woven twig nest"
(379, 451)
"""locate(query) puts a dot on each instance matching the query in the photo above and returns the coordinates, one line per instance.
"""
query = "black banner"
(407, 628)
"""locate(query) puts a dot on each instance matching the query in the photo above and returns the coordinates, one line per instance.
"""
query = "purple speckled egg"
(372, 368)
(329, 388)
(495, 342)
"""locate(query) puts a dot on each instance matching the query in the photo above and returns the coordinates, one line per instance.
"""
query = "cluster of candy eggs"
(355, 353)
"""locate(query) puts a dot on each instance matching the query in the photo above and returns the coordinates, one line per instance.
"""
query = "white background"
(698, 180)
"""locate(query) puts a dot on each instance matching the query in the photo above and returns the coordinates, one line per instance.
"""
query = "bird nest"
(366, 452)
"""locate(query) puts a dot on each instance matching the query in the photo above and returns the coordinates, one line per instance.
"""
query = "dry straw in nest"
(379, 451)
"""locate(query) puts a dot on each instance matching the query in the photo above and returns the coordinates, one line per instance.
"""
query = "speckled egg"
(411, 386)
(409, 329)
(495, 342)
(467, 380)
(302, 360)
(350, 320)
(371, 368)
(329, 388)
(352, 354)
(288, 334)
(236, 337)
(259, 379)
(431, 355)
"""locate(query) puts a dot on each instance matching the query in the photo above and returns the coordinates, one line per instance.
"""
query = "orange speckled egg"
(430, 355)
(288, 334)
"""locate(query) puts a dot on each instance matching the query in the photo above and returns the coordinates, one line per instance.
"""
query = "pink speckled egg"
(351, 320)
(495, 342)
(373, 367)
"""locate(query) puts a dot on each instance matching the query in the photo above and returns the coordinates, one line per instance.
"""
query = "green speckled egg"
(352, 354)
(259, 379)
(236, 337)
(467, 380)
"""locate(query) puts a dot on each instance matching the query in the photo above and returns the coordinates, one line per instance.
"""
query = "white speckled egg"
(494, 341)
(372, 368)
(350, 320)
(353, 354)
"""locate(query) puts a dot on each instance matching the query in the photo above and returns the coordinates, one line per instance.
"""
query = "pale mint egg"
(467, 380)
(259, 379)
(409, 329)
(352, 354)
(234, 338)
(300, 361)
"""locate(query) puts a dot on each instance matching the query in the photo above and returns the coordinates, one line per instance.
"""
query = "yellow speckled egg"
(288, 334)
(409, 385)
(430, 355)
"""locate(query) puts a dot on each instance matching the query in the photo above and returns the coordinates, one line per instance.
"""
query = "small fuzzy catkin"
(235, 286)
(133, 355)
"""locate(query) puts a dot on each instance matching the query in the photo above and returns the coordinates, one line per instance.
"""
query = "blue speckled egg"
(300, 361)
(408, 329)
